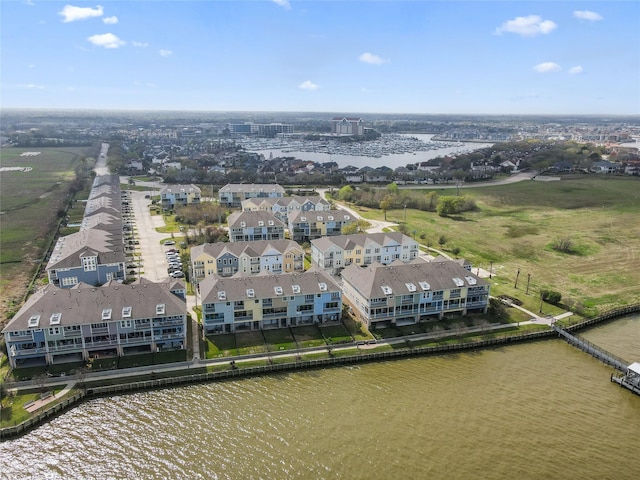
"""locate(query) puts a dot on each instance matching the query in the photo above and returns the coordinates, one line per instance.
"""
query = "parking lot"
(154, 264)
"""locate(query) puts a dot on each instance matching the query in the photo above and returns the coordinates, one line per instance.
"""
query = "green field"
(516, 225)
(29, 204)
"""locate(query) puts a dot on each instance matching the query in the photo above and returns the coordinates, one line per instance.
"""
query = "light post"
(405, 213)
(540, 302)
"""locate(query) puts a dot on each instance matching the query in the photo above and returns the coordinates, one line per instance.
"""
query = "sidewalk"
(51, 397)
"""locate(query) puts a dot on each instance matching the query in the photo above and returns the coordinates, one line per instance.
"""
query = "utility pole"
(528, 280)
(517, 275)
(490, 269)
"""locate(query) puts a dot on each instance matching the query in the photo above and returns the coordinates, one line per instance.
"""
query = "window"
(295, 288)
(322, 286)
(251, 292)
(278, 290)
(160, 309)
(55, 319)
(89, 264)
(54, 331)
(126, 312)
(34, 320)
(125, 324)
(106, 314)
(69, 281)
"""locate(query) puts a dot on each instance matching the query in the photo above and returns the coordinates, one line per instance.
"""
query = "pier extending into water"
(593, 350)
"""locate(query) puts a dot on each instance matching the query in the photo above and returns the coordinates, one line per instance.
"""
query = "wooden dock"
(586, 346)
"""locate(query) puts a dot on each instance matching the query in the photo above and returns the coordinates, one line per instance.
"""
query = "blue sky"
(485, 57)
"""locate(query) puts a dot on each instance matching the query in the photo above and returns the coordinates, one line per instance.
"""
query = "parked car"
(176, 274)
(172, 250)
(169, 242)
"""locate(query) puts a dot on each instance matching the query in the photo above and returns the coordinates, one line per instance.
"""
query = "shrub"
(551, 296)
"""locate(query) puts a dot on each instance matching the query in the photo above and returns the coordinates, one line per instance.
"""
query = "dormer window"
(295, 288)
(106, 314)
(322, 286)
(34, 320)
(126, 312)
(278, 290)
(160, 309)
(55, 319)
(89, 264)
(251, 293)
(222, 295)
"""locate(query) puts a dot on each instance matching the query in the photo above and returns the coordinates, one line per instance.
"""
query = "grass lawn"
(308, 336)
(220, 346)
(250, 342)
(335, 334)
(516, 225)
(279, 339)
(356, 329)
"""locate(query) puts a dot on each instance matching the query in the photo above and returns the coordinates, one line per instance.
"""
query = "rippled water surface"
(532, 411)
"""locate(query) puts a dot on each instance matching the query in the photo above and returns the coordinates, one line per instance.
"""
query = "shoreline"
(296, 365)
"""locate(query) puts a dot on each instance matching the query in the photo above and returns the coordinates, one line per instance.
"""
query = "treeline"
(392, 197)
(203, 213)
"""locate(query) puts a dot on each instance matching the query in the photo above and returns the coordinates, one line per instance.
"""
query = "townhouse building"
(335, 253)
(403, 294)
(305, 226)
(77, 324)
(174, 196)
(245, 303)
(281, 207)
(232, 194)
(96, 254)
(252, 226)
(91, 256)
(226, 259)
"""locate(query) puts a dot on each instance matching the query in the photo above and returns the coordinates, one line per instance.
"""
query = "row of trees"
(393, 198)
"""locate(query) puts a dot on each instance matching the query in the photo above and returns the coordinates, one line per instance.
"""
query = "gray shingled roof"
(70, 248)
(348, 242)
(236, 287)
(312, 216)
(439, 275)
(252, 187)
(253, 249)
(252, 218)
(84, 304)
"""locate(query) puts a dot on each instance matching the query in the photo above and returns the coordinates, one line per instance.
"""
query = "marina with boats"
(391, 148)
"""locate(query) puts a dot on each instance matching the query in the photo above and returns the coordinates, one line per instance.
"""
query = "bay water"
(538, 410)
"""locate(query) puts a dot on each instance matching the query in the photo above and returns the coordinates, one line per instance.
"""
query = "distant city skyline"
(413, 57)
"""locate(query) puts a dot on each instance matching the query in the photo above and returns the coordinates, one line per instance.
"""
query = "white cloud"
(529, 26)
(165, 53)
(110, 20)
(587, 15)
(71, 13)
(32, 86)
(139, 44)
(144, 84)
(29, 2)
(308, 85)
(32, 65)
(576, 70)
(371, 59)
(106, 40)
(547, 67)
(283, 3)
